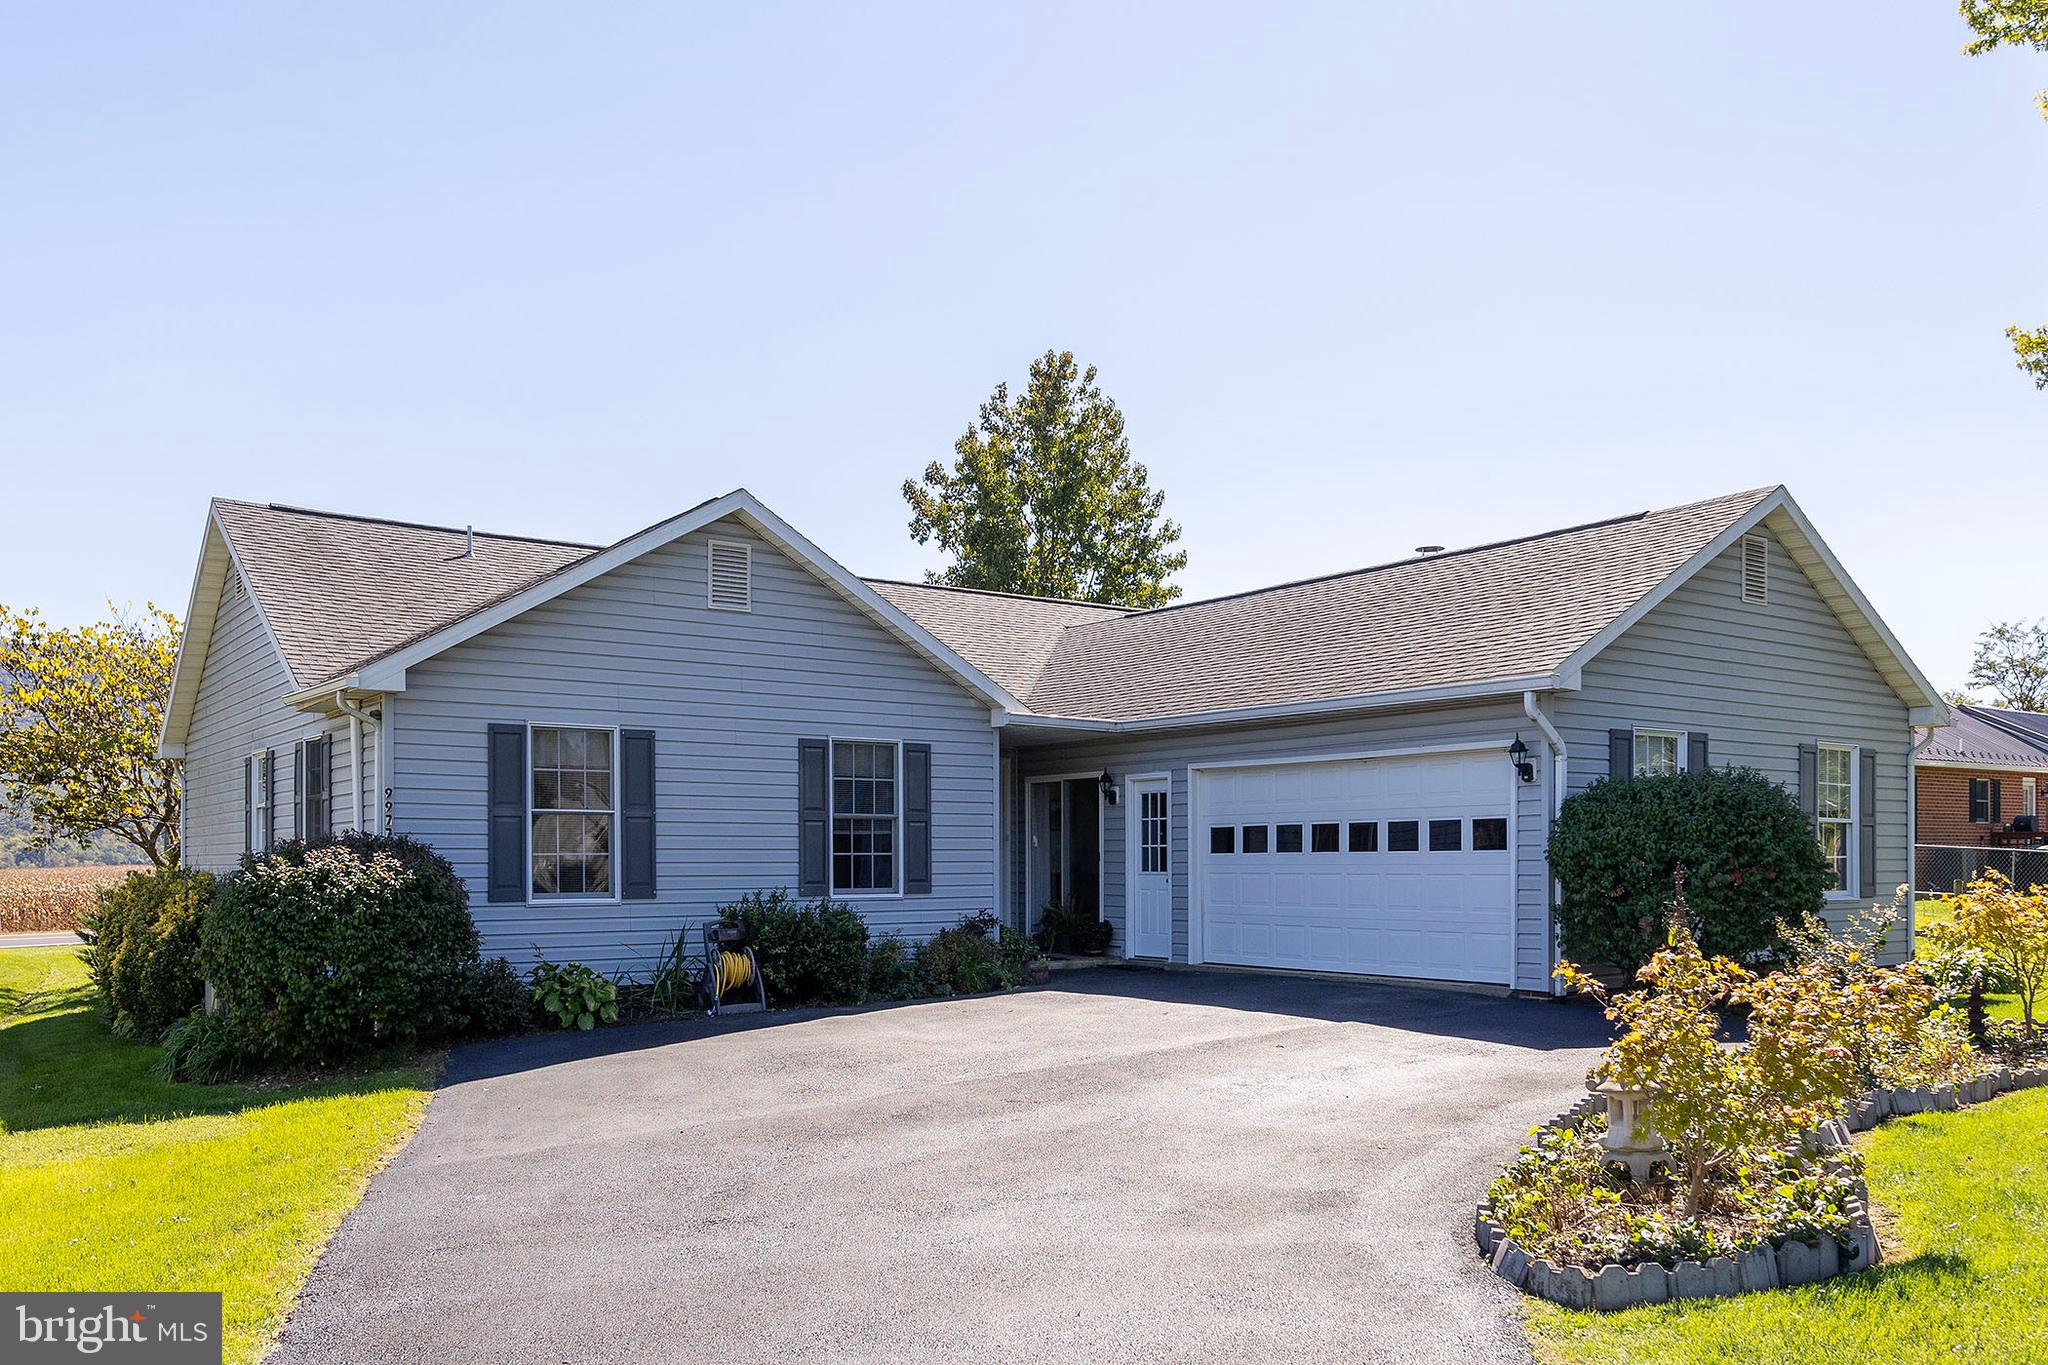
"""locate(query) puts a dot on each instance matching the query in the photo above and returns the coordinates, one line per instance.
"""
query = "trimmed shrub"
(144, 957)
(1748, 854)
(972, 957)
(810, 953)
(325, 950)
(495, 1001)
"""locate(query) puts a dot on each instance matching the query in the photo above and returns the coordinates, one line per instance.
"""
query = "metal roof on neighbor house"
(1992, 737)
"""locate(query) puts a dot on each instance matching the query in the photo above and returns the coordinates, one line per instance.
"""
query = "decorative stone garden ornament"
(1630, 1140)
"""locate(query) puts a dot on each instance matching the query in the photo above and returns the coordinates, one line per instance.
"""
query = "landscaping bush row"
(316, 952)
(821, 953)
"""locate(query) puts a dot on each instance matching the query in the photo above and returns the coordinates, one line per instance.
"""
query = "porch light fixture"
(1108, 788)
(1518, 754)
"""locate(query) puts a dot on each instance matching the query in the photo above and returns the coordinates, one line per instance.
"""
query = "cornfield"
(50, 899)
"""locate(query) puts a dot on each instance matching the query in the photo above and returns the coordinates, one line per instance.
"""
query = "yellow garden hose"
(732, 970)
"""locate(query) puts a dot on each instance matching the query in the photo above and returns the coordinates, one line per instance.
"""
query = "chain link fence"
(1942, 869)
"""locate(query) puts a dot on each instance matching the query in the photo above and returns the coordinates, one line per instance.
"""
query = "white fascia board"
(217, 559)
(1649, 601)
(1379, 701)
(1929, 701)
(388, 673)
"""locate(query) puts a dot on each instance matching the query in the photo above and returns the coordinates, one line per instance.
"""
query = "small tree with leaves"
(1044, 498)
(2012, 661)
(2007, 925)
(80, 711)
(2015, 23)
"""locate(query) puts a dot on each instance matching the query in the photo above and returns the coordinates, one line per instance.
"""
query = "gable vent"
(1756, 570)
(731, 575)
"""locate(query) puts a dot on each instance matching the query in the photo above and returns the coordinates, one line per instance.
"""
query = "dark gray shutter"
(813, 819)
(1696, 751)
(1621, 754)
(505, 787)
(269, 799)
(1809, 783)
(636, 811)
(320, 788)
(1997, 800)
(917, 819)
(1866, 820)
(249, 804)
(299, 753)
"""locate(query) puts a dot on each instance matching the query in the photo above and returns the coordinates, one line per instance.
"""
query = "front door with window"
(1149, 923)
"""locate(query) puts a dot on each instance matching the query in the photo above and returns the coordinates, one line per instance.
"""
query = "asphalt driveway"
(1124, 1166)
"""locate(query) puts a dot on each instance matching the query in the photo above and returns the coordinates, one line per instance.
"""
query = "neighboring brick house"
(1979, 783)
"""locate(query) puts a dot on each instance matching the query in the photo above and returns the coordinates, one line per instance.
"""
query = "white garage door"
(1393, 867)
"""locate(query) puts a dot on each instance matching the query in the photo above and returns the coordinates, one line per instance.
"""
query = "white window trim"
(1681, 742)
(895, 893)
(1852, 876)
(258, 816)
(2030, 791)
(571, 897)
(711, 549)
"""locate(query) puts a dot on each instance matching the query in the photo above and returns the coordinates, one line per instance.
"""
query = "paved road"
(67, 939)
(1124, 1166)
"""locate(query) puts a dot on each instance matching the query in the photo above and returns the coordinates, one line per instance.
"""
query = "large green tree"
(80, 710)
(2015, 23)
(1044, 498)
(2012, 660)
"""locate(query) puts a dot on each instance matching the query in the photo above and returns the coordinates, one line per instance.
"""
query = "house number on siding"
(387, 811)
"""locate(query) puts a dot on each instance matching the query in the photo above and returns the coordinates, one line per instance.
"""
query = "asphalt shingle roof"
(343, 590)
(340, 590)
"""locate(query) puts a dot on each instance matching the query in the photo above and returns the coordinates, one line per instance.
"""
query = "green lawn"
(114, 1180)
(1966, 1274)
(1936, 910)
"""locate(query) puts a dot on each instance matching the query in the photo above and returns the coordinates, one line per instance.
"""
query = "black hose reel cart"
(730, 970)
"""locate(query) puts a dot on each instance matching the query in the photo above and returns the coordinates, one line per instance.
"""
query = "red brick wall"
(1942, 803)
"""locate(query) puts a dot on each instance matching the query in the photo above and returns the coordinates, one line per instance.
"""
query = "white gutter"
(357, 719)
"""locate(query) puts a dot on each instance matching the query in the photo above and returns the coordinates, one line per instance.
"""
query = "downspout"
(1560, 776)
(357, 719)
(1926, 737)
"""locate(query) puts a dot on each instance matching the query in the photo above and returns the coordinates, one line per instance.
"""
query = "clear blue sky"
(1360, 276)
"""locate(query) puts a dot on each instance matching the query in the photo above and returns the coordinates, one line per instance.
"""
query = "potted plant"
(1041, 969)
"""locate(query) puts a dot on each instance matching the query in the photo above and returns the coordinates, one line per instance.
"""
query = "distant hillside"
(17, 848)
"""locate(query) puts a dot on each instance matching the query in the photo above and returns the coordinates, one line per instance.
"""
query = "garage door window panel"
(1287, 838)
(1365, 836)
(1489, 835)
(1446, 836)
(1403, 836)
(1223, 838)
(1255, 838)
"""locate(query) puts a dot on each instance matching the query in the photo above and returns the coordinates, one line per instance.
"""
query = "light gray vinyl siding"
(1760, 680)
(239, 710)
(1487, 726)
(728, 695)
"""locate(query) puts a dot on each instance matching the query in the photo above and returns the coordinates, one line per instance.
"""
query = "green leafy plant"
(574, 995)
(1748, 854)
(495, 1001)
(1066, 929)
(972, 957)
(2010, 928)
(200, 1047)
(810, 952)
(144, 954)
(1725, 1109)
(327, 950)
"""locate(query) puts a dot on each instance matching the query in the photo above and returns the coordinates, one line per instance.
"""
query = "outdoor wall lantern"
(1108, 787)
(1518, 754)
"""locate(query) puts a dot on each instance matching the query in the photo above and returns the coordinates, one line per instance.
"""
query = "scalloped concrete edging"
(1790, 1263)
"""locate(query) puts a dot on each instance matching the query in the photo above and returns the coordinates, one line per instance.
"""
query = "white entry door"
(1148, 928)
(1392, 867)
